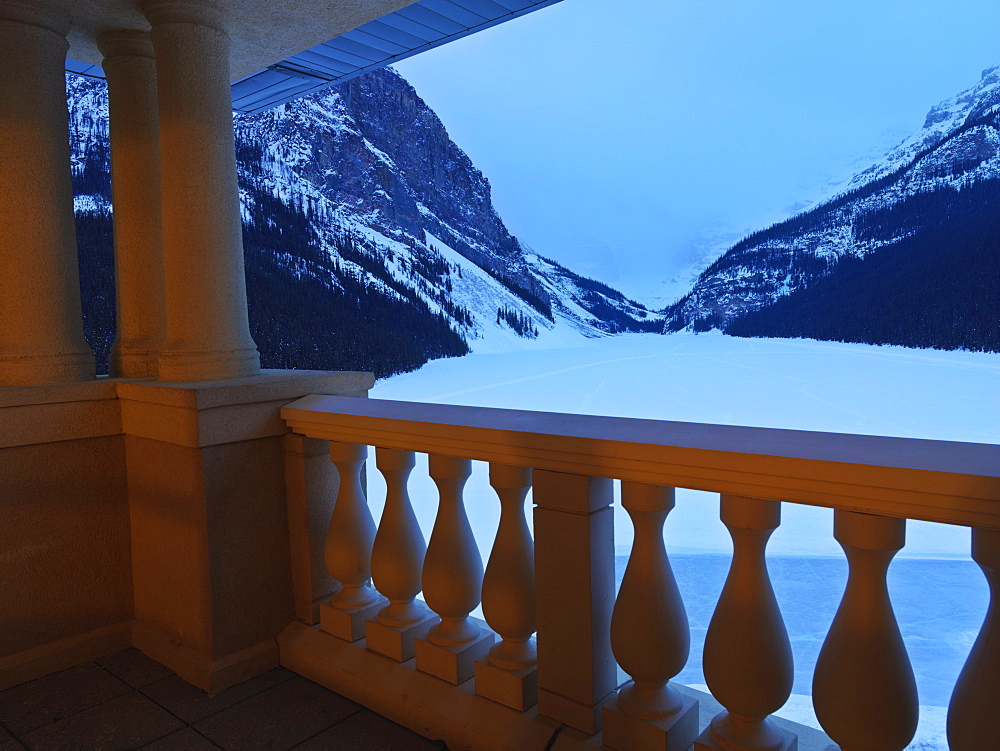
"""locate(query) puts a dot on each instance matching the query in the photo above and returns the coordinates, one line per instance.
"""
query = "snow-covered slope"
(359, 191)
(932, 182)
(943, 119)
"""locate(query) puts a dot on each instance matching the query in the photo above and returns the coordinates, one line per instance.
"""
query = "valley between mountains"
(371, 243)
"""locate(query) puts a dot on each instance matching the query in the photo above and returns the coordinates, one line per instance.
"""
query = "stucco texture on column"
(207, 330)
(135, 180)
(41, 331)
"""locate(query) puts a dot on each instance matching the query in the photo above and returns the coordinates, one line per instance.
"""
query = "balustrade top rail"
(941, 481)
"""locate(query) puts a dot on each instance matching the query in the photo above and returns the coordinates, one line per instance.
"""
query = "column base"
(627, 732)
(207, 365)
(39, 370)
(397, 643)
(454, 664)
(134, 364)
(779, 740)
(517, 689)
(348, 625)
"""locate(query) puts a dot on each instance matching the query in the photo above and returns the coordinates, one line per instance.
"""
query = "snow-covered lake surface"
(778, 383)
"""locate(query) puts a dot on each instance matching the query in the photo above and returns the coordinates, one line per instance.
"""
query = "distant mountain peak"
(905, 255)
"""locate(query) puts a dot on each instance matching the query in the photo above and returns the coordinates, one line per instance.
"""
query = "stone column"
(41, 331)
(207, 332)
(135, 180)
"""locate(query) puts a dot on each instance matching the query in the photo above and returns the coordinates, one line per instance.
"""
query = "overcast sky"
(615, 133)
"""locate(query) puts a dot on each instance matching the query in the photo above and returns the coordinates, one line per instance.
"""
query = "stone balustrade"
(506, 692)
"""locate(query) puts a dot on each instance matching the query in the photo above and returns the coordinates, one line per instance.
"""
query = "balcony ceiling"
(284, 50)
(263, 31)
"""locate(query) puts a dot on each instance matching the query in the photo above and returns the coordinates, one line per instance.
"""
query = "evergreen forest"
(307, 310)
(935, 284)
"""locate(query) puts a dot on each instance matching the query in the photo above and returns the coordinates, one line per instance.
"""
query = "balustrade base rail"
(455, 714)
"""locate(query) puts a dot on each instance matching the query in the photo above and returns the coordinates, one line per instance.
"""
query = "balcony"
(381, 616)
(213, 516)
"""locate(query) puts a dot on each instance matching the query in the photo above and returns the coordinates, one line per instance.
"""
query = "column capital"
(200, 12)
(45, 15)
(125, 43)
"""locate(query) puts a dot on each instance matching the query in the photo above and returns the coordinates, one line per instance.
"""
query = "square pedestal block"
(626, 732)
(585, 717)
(397, 643)
(790, 741)
(517, 689)
(454, 664)
(348, 625)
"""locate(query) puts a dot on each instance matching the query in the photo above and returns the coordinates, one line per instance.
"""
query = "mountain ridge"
(884, 210)
(356, 198)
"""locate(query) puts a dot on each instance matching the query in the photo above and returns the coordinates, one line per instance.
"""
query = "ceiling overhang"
(385, 32)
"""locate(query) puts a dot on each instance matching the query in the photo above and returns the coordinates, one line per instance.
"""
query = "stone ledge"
(197, 414)
(54, 421)
(270, 385)
(99, 389)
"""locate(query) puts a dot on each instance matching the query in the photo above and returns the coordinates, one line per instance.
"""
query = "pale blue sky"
(614, 132)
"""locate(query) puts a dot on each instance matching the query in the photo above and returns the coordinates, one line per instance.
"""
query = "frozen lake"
(778, 383)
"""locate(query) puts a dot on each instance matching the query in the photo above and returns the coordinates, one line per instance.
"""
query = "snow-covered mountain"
(371, 239)
(906, 255)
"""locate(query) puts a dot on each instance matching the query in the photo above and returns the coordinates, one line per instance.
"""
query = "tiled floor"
(128, 701)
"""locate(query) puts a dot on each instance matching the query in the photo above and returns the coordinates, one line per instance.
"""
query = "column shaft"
(41, 331)
(207, 330)
(135, 180)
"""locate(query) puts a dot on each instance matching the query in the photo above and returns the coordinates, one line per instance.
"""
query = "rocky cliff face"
(924, 210)
(356, 199)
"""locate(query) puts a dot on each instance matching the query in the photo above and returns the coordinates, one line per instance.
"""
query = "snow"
(797, 384)
(95, 204)
(479, 292)
(778, 383)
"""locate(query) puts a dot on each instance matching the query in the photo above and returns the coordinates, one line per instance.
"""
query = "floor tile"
(4, 735)
(135, 668)
(10, 745)
(279, 718)
(183, 740)
(125, 722)
(39, 702)
(367, 731)
(192, 704)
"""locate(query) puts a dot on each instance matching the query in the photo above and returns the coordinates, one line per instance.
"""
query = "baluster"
(649, 636)
(509, 675)
(349, 549)
(863, 689)
(397, 562)
(747, 658)
(452, 580)
(972, 721)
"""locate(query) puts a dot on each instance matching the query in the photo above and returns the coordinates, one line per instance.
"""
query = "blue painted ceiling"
(420, 26)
